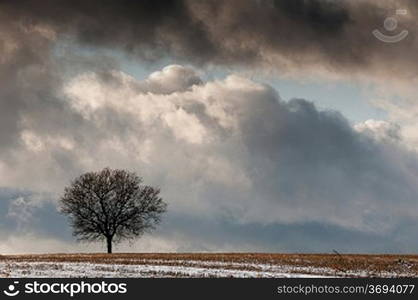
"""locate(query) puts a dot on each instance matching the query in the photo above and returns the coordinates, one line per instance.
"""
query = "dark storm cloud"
(336, 34)
(141, 27)
(325, 16)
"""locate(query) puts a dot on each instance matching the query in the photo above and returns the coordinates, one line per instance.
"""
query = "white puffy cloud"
(172, 78)
(225, 149)
(382, 130)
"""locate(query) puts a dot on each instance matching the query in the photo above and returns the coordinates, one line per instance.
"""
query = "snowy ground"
(201, 265)
(151, 269)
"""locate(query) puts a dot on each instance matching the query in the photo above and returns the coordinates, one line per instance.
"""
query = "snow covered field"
(50, 269)
(204, 265)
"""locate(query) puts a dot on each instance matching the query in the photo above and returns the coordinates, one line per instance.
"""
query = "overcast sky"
(270, 125)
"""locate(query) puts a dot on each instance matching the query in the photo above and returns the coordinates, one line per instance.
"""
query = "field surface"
(251, 265)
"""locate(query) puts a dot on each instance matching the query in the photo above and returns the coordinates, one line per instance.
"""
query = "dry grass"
(374, 265)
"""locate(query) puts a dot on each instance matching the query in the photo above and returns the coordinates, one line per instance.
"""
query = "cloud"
(33, 242)
(316, 38)
(318, 34)
(21, 210)
(176, 235)
(173, 78)
(225, 149)
(381, 130)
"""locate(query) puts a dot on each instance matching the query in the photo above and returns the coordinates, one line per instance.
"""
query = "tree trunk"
(109, 244)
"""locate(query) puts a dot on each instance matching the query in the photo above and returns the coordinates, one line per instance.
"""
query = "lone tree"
(111, 205)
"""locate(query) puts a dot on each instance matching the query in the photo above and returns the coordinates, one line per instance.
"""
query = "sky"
(296, 131)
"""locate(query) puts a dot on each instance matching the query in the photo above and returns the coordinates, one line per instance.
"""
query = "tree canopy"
(111, 205)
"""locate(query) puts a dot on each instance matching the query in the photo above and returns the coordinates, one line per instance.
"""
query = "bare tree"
(111, 205)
